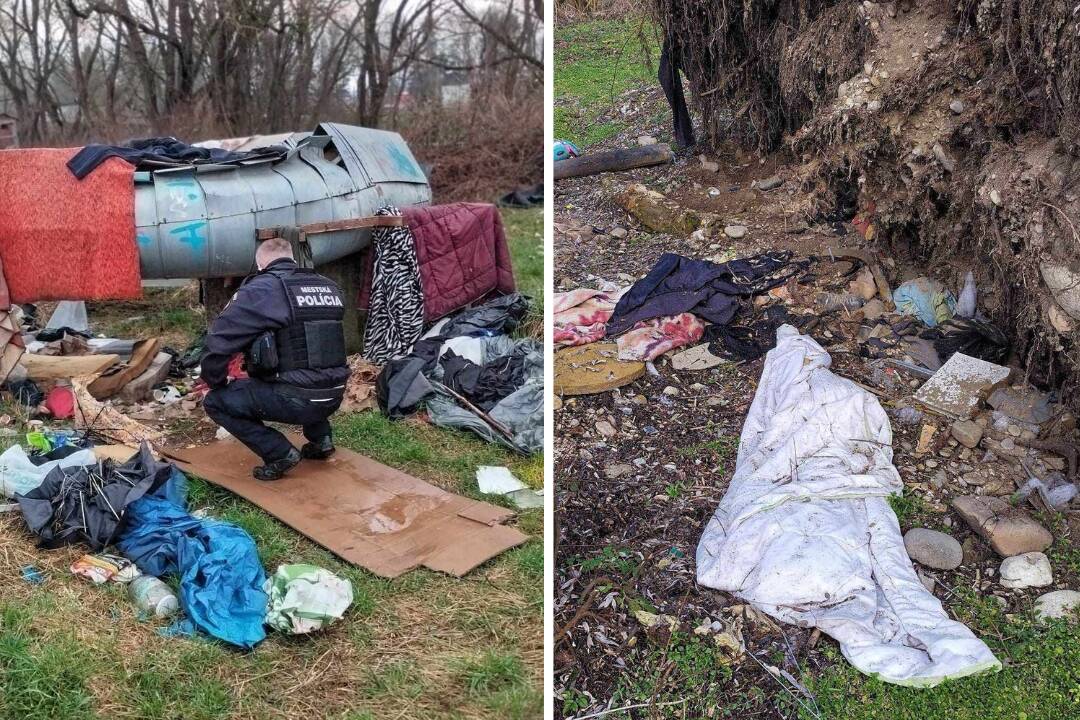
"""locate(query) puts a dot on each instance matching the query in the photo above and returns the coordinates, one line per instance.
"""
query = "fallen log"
(613, 160)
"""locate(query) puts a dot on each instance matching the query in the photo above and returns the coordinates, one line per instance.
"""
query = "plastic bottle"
(965, 306)
(153, 596)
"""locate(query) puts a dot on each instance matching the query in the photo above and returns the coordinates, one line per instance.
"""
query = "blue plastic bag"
(221, 577)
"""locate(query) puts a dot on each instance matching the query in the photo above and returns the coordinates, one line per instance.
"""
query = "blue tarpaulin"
(221, 578)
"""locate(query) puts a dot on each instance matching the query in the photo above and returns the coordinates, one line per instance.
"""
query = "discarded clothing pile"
(88, 503)
(221, 577)
(709, 290)
(805, 532)
(158, 152)
(472, 356)
(395, 317)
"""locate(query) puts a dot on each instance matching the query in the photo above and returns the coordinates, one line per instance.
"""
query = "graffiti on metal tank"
(191, 234)
(402, 161)
(182, 192)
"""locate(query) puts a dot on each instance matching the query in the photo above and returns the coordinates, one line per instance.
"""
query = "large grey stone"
(1010, 531)
(1028, 570)
(1057, 604)
(933, 549)
(967, 432)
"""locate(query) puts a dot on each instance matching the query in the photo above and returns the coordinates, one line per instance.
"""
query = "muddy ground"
(631, 508)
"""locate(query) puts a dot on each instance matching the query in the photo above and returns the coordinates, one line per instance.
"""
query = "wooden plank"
(57, 367)
(612, 160)
(360, 223)
(110, 383)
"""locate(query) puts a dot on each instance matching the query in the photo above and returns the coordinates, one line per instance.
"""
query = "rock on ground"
(933, 549)
(967, 432)
(1010, 531)
(1028, 570)
(1057, 604)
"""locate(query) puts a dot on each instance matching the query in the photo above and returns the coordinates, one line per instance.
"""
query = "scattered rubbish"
(60, 402)
(770, 183)
(360, 391)
(493, 480)
(966, 303)
(926, 437)
(69, 314)
(612, 161)
(958, 387)
(768, 543)
(109, 422)
(909, 416)
(141, 388)
(650, 620)
(222, 434)
(564, 150)
(113, 380)
(167, 395)
(305, 598)
(364, 512)
(153, 597)
(831, 302)
(100, 569)
(925, 298)
(1026, 405)
(580, 316)
(58, 367)
(651, 338)
(26, 393)
(8, 507)
(1056, 496)
(87, 503)
(221, 578)
(696, 358)
(18, 474)
(593, 368)
(969, 336)
(32, 575)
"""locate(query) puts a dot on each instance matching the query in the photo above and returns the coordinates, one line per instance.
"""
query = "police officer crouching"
(288, 322)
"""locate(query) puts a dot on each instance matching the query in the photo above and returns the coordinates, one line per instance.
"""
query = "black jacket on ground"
(258, 306)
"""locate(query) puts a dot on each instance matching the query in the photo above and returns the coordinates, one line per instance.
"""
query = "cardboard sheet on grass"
(362, 511)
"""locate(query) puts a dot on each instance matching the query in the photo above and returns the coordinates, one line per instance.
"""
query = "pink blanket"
(580, 316)
(650, 339)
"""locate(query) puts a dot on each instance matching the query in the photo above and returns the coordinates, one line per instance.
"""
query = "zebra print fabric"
(396, 312)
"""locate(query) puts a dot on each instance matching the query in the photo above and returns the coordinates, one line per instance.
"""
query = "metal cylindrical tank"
(200, 221)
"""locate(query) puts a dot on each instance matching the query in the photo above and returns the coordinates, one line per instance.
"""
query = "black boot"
(274, 470)
(321, 449)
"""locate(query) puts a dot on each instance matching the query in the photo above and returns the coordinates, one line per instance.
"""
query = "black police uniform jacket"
(304, 311)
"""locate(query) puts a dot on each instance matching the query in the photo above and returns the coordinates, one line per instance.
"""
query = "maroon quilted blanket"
(463, 256)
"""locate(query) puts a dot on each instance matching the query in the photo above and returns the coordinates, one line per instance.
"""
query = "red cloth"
(63, 238)
(463, 255)
(61, 402)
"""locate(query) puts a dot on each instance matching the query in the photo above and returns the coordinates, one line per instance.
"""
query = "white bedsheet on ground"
(805, 533)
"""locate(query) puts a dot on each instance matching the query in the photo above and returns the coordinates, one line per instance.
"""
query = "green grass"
(597, 61)
(423, 645)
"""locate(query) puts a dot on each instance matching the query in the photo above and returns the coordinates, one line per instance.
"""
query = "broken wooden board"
(110, 383)
(60, 367)
(105, 420)
(364, 512)
(118, 453)
(593, 368)
(140, 388)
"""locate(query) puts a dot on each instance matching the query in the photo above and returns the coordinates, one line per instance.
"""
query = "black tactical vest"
(315, 338)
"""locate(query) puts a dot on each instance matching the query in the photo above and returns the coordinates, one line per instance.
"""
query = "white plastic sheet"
(805, 533)
(19, 475)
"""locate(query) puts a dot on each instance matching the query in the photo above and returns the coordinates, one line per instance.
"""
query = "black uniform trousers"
(242, 406)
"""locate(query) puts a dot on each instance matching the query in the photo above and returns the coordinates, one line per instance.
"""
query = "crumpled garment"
(650, 339)
(305, 598)
(221, 577)
(484, 383)
(925, 298)
(678, 284)
(805, 532)
(90, 503)
(580, 316)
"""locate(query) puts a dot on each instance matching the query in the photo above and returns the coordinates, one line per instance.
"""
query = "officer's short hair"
(269, 250)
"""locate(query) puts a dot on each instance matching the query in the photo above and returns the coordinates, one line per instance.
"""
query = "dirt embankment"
(952, 124)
